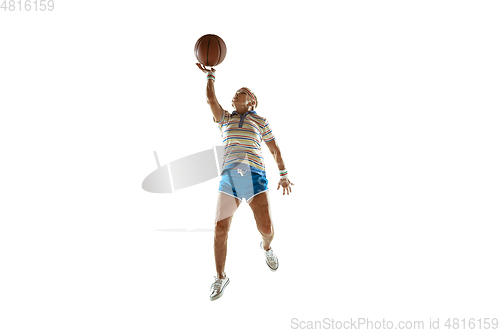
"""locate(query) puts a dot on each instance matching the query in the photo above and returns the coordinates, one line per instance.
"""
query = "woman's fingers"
(202, 67)
(286, 187)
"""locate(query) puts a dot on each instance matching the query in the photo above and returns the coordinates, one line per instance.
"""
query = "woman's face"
(241, 98)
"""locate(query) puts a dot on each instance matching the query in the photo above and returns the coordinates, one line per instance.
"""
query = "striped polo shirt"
(242, 135)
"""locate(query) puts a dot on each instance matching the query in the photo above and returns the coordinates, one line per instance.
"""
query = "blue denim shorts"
(242, 184)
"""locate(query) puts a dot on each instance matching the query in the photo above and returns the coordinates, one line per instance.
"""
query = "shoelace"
(218, 283)
(270, 256)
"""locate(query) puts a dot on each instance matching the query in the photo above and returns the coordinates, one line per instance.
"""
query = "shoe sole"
(216, 297)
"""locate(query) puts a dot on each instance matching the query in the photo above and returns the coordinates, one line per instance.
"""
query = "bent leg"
(262, 213)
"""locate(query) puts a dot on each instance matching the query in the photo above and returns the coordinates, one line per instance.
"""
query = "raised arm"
(217, 110)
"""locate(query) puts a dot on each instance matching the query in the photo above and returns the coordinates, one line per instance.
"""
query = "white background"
(386, 113)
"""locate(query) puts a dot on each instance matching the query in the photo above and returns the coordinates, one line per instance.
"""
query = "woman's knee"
(265, 226)
(222, 226)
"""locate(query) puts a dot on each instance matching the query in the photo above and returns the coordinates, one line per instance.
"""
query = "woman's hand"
(204, 69)
(286, 184)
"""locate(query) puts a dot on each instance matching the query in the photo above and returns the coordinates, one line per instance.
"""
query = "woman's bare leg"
(262, 213)
(226, 206)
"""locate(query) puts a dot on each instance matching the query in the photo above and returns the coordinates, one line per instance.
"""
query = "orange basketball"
(210, 50)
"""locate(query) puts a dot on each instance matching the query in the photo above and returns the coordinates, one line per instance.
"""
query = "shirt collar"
(245, 114)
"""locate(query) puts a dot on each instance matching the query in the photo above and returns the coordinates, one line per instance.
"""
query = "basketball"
(210, 50)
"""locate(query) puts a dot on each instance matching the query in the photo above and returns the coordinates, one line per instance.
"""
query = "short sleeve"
(267, 133)
(224, 119)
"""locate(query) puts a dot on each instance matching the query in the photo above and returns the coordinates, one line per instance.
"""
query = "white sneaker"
(271, 259)
(217, 288)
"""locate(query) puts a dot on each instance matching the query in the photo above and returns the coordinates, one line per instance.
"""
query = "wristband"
(211, 77)
(283, 174)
